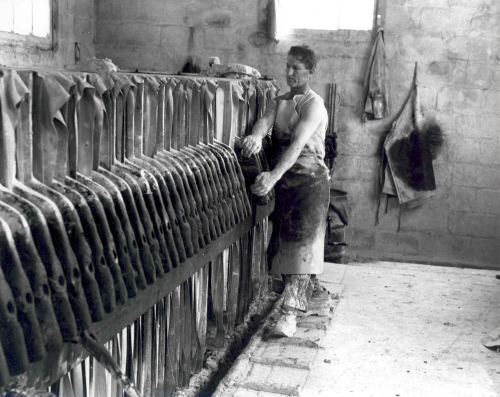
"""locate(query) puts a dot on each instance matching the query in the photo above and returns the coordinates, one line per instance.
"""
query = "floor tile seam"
(300, 342)
(285, 365)
(291, 348)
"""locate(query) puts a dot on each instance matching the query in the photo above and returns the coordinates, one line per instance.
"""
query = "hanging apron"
(409, 159)
(302, 197)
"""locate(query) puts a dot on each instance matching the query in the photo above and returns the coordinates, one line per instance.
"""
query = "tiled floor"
(398, 330)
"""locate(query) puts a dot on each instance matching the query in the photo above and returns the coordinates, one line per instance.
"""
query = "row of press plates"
(109, 186)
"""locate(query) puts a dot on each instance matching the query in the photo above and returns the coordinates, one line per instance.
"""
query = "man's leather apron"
(302, 197)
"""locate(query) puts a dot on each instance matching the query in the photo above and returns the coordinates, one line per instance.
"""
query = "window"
(26, 20)
(329, 14)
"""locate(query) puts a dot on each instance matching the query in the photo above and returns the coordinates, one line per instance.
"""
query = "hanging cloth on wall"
(376, 81)
(408, 157)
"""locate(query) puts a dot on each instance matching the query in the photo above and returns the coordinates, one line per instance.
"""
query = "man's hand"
(251, 145)
(263, 184)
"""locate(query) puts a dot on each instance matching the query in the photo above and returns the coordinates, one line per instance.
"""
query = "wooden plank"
(66, 387)
(177, 99)
(138, 352)
(196, 115)
(201, 313)
(189, 86)
(169, 116)
(77, 381)
(219, 114)
(256, 260)
(146, 336)
(217, 286)
(154, 347)
(234, 284)
(159, 387)
(171, 312)
(263, 261)
(194, 323)
(129, 370)
(225, 271)
(243, 111)
(210, 106)
(237, 102)
(228, 112)
(178, 304)
(187, 321)
(162, 344)
(203, 309)
(120, 349)
(100, 381)
(151, 108)
(244, 278)
(184, 116)
(252, 106)
(115, 353)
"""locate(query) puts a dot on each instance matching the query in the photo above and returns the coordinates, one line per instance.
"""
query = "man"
(301, 179)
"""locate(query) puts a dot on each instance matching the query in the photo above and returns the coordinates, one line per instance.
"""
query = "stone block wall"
(76, 25)
(457, 46)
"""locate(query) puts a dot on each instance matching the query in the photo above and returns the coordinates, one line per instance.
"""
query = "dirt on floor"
(218, 362)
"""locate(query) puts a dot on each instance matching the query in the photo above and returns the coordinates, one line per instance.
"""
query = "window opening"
(26, 17)
(329, 14)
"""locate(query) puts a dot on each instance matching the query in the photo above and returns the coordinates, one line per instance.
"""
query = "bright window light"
(328, 14)
(41, 18)
(7, 15)
(356, 14)
(25, 17)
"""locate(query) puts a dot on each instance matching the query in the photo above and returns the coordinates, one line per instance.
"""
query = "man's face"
(297, 73)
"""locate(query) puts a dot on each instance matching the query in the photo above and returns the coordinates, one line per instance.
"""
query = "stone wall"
(456, 44)
(76, 25)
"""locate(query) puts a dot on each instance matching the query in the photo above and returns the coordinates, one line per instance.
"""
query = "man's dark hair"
(305, 55)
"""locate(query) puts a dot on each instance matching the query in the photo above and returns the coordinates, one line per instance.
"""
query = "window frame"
(378, 19)
(31, 41)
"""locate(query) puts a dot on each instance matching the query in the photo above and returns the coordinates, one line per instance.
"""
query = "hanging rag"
(408, 155)
(376, 81)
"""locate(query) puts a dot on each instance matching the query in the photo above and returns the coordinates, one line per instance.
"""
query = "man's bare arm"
(305, 128)
(253, 143)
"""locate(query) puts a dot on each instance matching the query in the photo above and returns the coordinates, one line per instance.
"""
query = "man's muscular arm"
(311, 117)
(253, 143)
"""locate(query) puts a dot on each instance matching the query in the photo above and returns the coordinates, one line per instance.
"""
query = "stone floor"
(397, 330)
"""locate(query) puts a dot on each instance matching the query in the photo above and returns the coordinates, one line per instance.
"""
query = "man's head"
(305, 55)
(300, 67)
